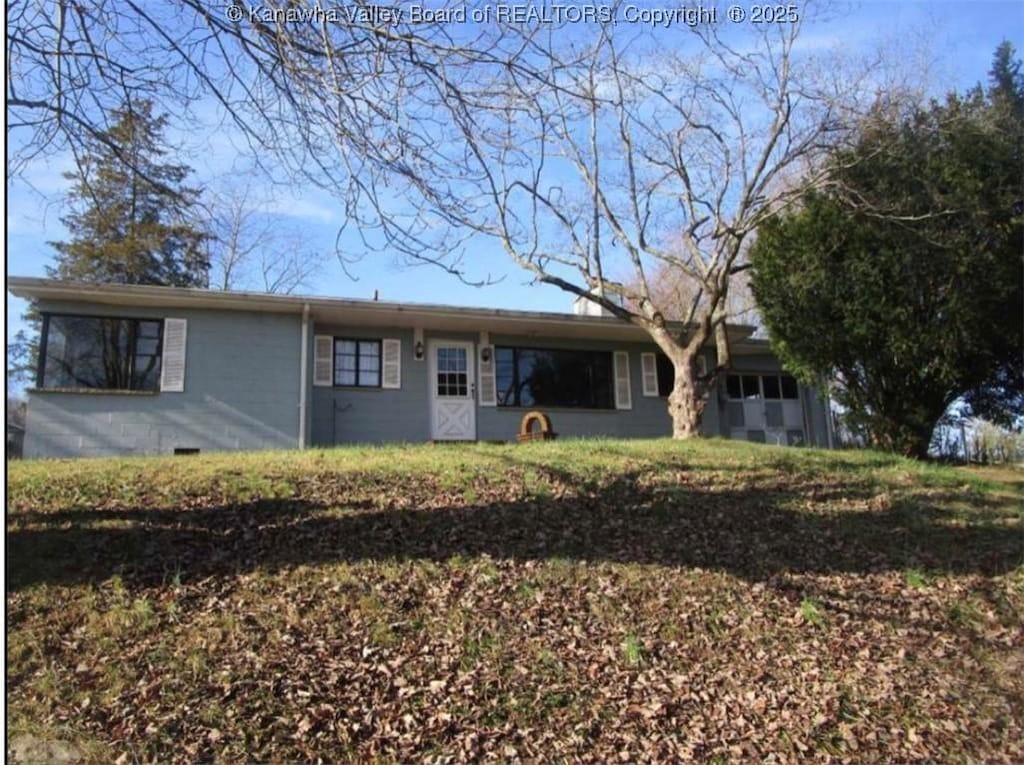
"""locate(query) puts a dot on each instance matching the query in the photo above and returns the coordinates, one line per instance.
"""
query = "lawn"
(585, 600)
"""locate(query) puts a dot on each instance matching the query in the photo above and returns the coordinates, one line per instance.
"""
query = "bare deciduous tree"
(582, 150)
(674, 291)
(624, 154)
(330, 94)
(250, 249)
(295, 80)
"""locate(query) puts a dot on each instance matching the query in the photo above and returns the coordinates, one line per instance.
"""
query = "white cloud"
(302, 206)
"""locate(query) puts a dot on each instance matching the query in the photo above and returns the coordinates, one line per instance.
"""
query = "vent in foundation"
(186, 450)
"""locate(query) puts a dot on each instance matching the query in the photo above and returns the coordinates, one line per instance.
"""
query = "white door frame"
(437, 401)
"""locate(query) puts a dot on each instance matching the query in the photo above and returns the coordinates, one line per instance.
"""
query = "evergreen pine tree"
(129, 219)
(903, 282)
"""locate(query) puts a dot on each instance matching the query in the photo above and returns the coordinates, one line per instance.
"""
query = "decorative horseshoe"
(526, 431)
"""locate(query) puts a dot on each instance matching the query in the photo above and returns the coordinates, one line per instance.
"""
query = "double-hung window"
(357, 362)
(99, 352)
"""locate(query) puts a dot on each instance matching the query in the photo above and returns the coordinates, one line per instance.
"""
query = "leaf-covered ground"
(587, 600)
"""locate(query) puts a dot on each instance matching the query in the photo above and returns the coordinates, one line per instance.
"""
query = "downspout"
(828, 415)
(303, 375)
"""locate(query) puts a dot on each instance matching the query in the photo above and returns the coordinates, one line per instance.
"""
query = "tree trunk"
(685, 403)
(910, 441)
(907, 425)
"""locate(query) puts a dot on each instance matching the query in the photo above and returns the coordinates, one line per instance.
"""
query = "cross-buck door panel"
(452, 391)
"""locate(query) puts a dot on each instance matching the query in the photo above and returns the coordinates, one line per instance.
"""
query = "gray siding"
(372, 415)
(241, 392)
(348, 415)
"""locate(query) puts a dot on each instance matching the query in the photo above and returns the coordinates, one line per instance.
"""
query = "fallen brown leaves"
(626, 605)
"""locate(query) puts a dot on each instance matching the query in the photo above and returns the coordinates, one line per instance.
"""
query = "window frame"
(44, 339)
(740, 374)
(777, 382)
(357, 340)
(462, 390)
(516, 386)
(757, 395)
(782, 388)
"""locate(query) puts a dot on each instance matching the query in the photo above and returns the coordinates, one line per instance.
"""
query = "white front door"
(452, 391)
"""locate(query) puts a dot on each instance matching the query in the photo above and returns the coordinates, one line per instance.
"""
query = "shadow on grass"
(753, 533)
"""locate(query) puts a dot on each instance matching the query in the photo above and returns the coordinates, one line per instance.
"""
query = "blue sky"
(960, 37)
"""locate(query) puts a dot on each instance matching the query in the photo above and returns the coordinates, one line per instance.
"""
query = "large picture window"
(544, 377)
(357, 362)
(100, 352)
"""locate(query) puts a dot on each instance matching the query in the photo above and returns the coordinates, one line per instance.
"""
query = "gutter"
(303, 375)
(28, 287)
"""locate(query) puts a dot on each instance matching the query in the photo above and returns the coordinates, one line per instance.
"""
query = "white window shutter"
(323, 360)
(391, 363)
(172, 365)
(488, 384)
(649, 367)
(623, 392)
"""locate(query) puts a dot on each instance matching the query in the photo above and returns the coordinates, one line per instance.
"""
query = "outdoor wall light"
(485, 354)
(419, 349)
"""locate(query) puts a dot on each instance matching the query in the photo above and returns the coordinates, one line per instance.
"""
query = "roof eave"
(185, 297)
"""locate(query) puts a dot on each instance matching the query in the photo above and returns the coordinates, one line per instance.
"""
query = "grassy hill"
(606, 599)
